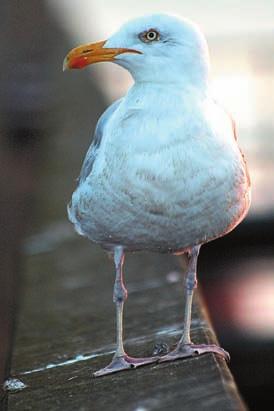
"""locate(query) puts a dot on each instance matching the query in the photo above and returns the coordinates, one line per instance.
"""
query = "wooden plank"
(66, 331)
(16, 182)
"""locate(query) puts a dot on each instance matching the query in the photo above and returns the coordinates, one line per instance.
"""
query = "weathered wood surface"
(66, 331)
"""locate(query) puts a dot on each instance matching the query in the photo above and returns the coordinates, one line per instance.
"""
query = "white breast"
(165, 180)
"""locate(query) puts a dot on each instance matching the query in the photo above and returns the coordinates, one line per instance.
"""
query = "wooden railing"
(66, 331)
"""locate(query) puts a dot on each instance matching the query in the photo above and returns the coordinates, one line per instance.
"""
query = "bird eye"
(150, 35)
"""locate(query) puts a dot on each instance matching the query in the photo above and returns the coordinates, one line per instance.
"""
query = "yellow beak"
(84, 55)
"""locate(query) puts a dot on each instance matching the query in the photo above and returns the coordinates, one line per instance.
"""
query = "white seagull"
(164, 171)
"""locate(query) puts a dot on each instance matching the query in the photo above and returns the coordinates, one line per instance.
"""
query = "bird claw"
(124, 362)
(192, 350)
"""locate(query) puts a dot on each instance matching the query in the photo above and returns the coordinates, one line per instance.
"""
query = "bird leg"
(185, 348)
(121, 361)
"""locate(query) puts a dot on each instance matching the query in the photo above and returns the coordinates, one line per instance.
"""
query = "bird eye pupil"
(149, 36)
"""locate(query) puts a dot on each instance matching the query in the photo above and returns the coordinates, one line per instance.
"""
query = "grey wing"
(96, 141)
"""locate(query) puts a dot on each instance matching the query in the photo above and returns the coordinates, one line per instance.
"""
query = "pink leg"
(121, 361)
(185, 348)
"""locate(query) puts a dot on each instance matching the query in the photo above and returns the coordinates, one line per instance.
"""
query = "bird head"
(152, 48)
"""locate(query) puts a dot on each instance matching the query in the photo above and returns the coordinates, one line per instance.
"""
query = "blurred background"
(46, 124)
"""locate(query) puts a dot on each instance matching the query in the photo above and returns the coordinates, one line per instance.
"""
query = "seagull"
(164, 172)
